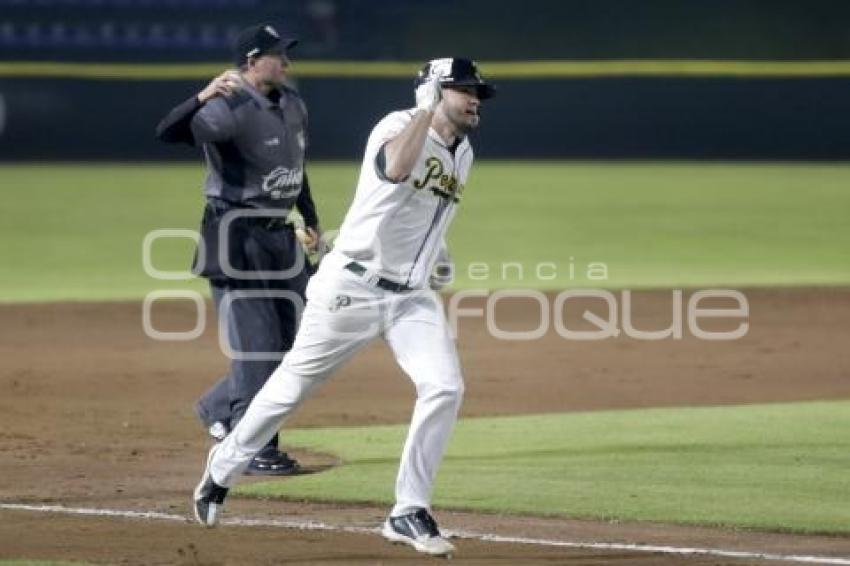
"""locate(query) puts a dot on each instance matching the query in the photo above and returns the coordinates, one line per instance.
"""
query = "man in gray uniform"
(252, 128)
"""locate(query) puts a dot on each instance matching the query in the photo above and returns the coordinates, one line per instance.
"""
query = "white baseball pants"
(345, 312)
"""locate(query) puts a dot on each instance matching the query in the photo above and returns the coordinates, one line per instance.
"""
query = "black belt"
(385, 284)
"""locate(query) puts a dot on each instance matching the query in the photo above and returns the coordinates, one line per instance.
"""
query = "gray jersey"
(254, 147)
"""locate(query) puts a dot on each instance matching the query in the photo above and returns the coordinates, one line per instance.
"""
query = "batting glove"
(428, 95)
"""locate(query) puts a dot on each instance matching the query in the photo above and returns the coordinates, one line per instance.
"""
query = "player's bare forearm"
(402, 151)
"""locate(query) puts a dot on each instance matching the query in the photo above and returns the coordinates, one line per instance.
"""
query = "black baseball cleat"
(272, 462)
(419, 530)
(208, 498)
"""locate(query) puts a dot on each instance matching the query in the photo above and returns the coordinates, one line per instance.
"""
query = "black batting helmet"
(456, 71)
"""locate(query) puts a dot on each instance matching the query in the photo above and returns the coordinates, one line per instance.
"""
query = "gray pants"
(254, 325)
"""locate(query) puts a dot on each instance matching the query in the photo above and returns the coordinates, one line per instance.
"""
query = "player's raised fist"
(428, 83)
(428, 95)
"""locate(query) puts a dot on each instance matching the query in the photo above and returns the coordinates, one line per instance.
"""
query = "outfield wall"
(736, 117)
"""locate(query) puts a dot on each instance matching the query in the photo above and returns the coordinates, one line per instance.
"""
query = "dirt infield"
(95, 414)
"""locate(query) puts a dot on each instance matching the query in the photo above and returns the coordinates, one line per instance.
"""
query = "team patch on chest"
(435, 179)
(281, 182)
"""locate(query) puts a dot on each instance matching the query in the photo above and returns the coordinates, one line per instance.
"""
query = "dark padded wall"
(627, 118)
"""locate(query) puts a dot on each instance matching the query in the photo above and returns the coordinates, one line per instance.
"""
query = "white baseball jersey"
(397, 230)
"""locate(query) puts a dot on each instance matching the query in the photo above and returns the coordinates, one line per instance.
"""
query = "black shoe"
(272, 462)
(418, 530)
(208, 498)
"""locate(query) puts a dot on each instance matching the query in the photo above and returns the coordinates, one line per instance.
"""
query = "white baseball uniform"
(393, 232)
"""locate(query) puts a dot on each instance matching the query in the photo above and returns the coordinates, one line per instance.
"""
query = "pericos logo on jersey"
(283, 182)
(441, 183)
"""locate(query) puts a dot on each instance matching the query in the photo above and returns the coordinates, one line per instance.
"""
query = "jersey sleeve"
(302, 108)
(214, 122)
(306, 206)
(388, 128)
(176, 126)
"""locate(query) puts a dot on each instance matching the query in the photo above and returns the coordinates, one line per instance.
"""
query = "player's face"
(461, 104)
(271, 69)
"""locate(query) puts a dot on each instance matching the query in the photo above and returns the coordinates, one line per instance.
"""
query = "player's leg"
(213, 408)
(263, 314)
(261, 332)
(340, 318)
(252, 325)
(256, 347)
(254, 342)
(423, 347)
(251, 307)
(271, 460)
(252, 328)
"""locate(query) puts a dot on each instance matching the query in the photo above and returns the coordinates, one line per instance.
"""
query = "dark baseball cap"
(457, 71)
(259, 40)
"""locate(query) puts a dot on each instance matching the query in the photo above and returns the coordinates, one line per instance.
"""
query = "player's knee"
(450, 391)
(456, 395)
(314, 370)
(457, 389)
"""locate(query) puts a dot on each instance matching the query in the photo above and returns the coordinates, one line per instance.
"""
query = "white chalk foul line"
(658, 549)
(319, 526)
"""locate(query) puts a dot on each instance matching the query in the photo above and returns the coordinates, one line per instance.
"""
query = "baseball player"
(252, 128)
(376, 283)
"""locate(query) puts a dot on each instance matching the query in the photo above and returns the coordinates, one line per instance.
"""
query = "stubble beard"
(464, 123)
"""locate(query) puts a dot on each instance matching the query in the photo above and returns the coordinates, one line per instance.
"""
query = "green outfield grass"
(76, 231)
(776, 467)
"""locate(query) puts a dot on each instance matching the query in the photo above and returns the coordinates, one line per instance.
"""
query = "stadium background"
(683, 144)
(592, 110)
